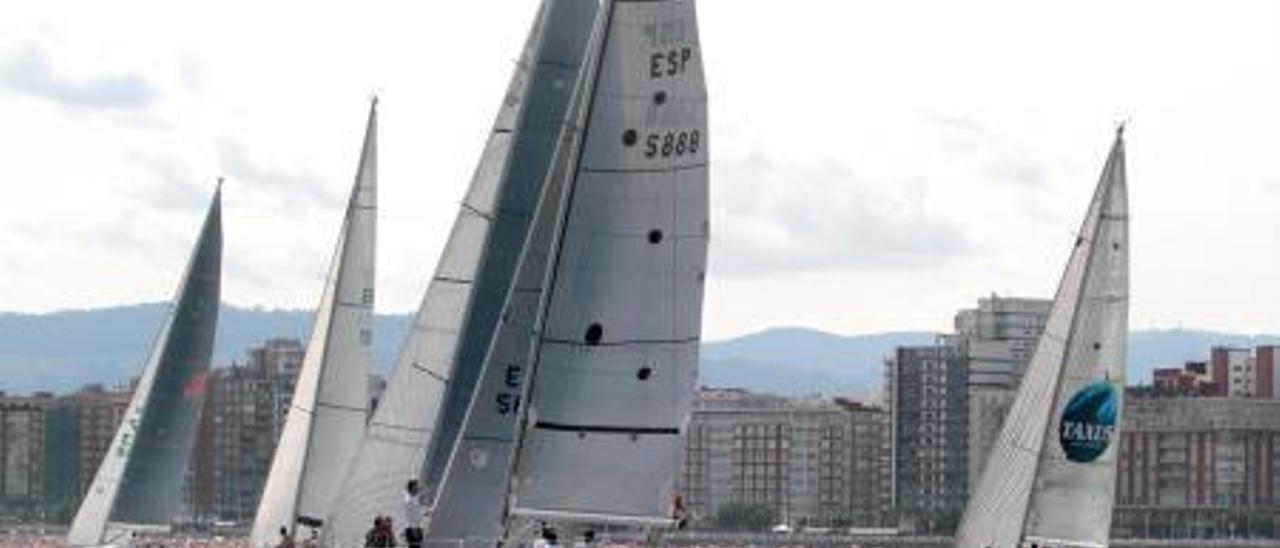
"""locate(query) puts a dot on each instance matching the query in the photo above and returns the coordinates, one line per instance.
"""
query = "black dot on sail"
(655, 236)
(595, 332)
(629, 137)
(659, 97)
(1097, 345)
(644, 373)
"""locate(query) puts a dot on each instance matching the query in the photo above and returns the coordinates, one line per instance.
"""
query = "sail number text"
(672, 143)
(668, 63)
(508, 398)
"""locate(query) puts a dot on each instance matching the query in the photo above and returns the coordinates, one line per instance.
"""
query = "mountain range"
(60, 351)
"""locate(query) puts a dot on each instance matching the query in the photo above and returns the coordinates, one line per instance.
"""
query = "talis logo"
(1089, 422)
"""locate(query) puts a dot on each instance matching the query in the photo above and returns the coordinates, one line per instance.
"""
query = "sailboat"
(329, 409)
(429, 389)
(139, 484)
(1049, 480)
(590, 375)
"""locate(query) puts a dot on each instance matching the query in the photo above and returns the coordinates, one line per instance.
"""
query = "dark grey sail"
(560, 40)
(141, 478)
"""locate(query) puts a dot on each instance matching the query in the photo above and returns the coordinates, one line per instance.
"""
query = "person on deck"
(286, 541)
(415, 508)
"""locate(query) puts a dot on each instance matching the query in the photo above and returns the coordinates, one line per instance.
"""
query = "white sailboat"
(1049, 481)
(329, 410)
(139, 482)
(460, 308)
(600, 331)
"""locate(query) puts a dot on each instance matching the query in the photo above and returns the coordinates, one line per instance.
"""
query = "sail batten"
(1050, 475)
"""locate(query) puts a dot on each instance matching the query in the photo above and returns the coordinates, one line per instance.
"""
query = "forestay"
(614, 369)
(1050, 477)
(329, 409)
(141, 476)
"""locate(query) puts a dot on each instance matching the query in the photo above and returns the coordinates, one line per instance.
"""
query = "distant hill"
(61, 351)
(793, 360)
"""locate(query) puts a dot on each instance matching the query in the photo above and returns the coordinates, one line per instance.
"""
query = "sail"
(460, 308)
(470, 496)
(329, 409)
(1050, 477)
(141, 476)
(615, 368)
(561, 31)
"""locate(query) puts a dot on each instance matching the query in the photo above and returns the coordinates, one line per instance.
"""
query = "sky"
(875, 166)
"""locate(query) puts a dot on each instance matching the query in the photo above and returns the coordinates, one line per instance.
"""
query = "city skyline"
(860, 156)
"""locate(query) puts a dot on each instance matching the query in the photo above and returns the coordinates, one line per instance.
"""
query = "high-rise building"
(1264, 365)
(98, 413)
(1232, 370)
(22, 445)
(1014, 320)
(239, 427)
(998, 338)
(927, 388)
(1197, 466)
(73, 436)
(812, 462)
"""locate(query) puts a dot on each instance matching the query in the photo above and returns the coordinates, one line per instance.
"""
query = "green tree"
(745, 516)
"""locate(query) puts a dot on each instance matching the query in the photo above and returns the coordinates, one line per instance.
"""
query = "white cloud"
(30, 72)
(770, 217)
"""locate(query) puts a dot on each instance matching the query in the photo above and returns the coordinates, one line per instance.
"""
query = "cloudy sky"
(876, 165)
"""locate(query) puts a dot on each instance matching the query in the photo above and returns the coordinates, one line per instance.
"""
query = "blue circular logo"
(1089, 422)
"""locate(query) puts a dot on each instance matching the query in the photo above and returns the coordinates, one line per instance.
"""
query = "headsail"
(456, 319)
(559, 39)
(328, 413)
(615, 366)
(470, 497)
(141, 477)
(1051, 475)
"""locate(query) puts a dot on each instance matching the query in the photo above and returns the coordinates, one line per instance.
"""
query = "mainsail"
(139, 481)
(615, 363)
(328, 413)
(601, 328)
(456, 319)
(1050, 478)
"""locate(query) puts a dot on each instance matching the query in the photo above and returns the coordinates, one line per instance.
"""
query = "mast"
(615, 363)
(327, 415)
(445, 349)
(140, 479)
(1050, 476)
